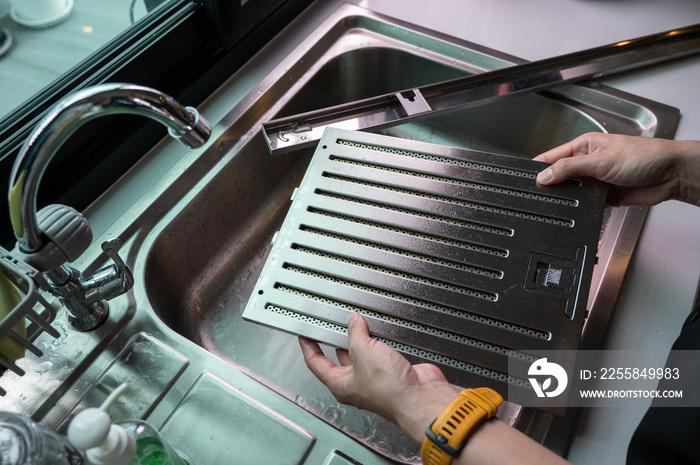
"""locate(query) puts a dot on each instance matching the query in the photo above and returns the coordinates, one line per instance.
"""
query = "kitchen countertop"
(662, 279)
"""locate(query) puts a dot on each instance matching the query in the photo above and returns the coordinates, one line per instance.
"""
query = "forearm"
(497, 443)
(689, 172)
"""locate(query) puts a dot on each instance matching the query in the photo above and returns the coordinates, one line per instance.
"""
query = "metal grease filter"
(455, 257)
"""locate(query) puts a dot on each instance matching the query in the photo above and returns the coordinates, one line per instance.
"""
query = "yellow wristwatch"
(446, 436)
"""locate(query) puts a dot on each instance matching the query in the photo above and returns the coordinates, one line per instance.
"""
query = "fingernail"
(545, 176)
(352, 317)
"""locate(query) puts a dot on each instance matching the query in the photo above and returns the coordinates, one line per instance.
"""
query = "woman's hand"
(641, 170)
(375, 377)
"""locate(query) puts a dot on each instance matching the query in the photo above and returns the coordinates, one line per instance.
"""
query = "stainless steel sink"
(197, 240)
(201, 268)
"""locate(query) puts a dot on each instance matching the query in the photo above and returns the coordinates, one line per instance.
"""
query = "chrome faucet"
(59, 234)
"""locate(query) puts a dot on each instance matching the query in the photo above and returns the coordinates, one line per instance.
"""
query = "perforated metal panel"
(455, 257)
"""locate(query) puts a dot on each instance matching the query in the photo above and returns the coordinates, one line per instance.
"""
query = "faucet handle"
(68, 235)
(85, 300)
(111, 248)
(122, 278)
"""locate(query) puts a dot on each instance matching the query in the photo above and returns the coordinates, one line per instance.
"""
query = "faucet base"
(99, 312)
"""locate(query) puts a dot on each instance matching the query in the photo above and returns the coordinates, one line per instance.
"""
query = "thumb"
(567, 168)
(546, 177)
(360, 341)
(358, 330)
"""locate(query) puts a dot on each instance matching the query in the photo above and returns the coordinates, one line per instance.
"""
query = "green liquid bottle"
(151, 448)
(132, 442)
(150, 451)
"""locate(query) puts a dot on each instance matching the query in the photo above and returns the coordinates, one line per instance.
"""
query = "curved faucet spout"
(183, 123)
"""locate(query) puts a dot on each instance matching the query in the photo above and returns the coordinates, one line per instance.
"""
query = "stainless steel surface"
(456, 257)
(222, 235)
(196, 227)
(304, 130)
(252, 432)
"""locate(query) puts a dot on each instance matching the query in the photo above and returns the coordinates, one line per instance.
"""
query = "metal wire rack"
(33, 308)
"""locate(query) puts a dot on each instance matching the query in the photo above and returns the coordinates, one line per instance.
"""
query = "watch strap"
(446, 436)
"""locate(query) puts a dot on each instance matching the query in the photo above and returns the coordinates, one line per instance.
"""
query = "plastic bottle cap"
(89, 428)
(118, 449)
(105, 443)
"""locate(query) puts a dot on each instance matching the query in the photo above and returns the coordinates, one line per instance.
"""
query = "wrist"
(422, 407)
(453, 429)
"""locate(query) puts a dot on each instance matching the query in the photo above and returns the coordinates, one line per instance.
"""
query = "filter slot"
(402, 274)
(432, 216)
(487, 167)
(460, 182)
(421, 303)
(406, 253)
(455, 201)
(469, 341)
(418, 234)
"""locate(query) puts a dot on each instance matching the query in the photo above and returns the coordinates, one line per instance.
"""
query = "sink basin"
(201, 260)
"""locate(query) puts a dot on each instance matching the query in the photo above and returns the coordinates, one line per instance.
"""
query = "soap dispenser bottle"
(130, 442)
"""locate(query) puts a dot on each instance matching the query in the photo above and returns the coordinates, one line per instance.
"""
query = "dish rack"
(39, 312)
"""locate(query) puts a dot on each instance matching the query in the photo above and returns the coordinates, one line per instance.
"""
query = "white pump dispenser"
(105, 443)
(128, 442)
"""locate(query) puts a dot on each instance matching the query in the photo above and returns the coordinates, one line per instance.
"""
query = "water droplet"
(43, 367)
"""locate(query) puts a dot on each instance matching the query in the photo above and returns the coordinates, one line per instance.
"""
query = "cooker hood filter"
(455, 257)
